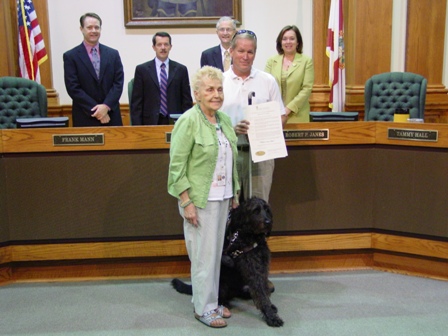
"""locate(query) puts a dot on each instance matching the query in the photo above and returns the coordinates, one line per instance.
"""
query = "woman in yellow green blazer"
(294, 73)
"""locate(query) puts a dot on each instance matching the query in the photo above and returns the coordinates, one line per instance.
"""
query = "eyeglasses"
(226, 30)
(244, 31)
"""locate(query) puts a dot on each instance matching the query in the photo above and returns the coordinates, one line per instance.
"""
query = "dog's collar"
(237, 253)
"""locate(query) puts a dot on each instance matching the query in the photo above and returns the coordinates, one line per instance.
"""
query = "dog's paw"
(274, 320)
(274, 308)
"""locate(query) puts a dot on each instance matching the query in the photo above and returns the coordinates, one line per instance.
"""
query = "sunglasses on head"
(245, 31)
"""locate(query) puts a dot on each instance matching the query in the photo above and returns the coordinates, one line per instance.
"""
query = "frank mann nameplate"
(78, 139)
(315, 134)
(412, 134)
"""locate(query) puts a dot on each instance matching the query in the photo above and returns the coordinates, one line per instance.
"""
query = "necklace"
(217, 125)
(286, 62)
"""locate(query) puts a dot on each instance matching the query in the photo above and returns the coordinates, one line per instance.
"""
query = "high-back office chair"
(130, 88)
(386, 92)
(21, 98)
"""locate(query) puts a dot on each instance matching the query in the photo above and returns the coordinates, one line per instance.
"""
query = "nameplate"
(315, 134)
(168, 137)
(78, 139)
(412, 134)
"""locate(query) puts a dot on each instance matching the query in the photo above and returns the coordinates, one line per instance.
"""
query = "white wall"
(445, 61)
(262, 16)
(398, 49)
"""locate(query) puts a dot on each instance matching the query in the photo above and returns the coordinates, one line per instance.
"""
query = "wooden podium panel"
(356, 179)
(110, 200)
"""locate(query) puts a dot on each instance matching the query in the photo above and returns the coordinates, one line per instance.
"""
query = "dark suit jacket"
(212, 57)
(145, 102)
(87, 90)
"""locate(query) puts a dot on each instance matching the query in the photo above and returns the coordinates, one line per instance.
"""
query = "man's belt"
(243, 148)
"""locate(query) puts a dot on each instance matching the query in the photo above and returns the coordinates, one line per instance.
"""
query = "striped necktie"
(96, 62)
(163, 93)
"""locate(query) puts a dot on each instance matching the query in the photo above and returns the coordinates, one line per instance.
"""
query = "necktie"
(163, 95)
(96, 62)
(226, 60)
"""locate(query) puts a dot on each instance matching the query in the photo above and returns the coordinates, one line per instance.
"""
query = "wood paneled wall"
(9, 56)
(424, 39)
(425, 52)
(368, 39)
(368, 47)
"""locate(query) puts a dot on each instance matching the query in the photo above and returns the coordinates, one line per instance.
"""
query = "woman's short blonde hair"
(205, 72)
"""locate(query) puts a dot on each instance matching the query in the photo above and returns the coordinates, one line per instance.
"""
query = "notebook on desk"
(44, 122)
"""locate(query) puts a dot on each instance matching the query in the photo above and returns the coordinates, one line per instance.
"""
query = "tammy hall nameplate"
(412, 134)
(78, 139)
(315, 134)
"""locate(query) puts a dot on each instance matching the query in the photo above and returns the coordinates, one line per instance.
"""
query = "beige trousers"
(204, 246)
(262, 173)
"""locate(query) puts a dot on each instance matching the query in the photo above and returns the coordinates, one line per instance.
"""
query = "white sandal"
(223, 311)
(209, 318)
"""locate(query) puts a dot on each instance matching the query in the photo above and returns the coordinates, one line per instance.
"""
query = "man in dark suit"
(93, 75)
(219, 56)
(147, 99)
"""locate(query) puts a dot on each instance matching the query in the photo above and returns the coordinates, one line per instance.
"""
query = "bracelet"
(184, 204)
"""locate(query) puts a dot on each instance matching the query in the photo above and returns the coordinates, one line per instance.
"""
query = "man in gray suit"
(216, 56)
(93, 75)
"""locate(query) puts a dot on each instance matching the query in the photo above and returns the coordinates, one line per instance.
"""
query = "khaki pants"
(262, 173)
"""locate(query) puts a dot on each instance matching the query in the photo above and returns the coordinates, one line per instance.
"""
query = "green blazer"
(299, 84)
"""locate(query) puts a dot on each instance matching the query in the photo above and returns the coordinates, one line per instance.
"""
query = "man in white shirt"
(243, 83)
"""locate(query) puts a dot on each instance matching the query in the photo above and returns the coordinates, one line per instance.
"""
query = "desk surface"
(154, 137)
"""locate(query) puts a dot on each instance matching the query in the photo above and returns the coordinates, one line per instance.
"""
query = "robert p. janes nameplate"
(315, 134)
(412, 134)
(78, 139)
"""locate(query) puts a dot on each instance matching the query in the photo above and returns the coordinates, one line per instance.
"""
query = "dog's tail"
(182, 287)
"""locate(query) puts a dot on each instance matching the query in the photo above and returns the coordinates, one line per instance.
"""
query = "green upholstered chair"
(386, 92)
(130, 88)
(21, 98)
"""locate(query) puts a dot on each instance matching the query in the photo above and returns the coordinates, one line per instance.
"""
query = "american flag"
(336, 53)
(32, 51)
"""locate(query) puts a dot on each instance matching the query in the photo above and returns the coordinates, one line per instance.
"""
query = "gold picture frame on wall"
(178, 13)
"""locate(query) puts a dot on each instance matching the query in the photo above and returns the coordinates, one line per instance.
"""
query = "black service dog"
(246, 259)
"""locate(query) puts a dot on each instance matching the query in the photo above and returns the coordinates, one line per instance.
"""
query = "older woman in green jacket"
(294, 73)
(203, 176)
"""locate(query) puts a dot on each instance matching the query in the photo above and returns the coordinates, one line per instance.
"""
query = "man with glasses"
(219, 56)
(243, 83)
